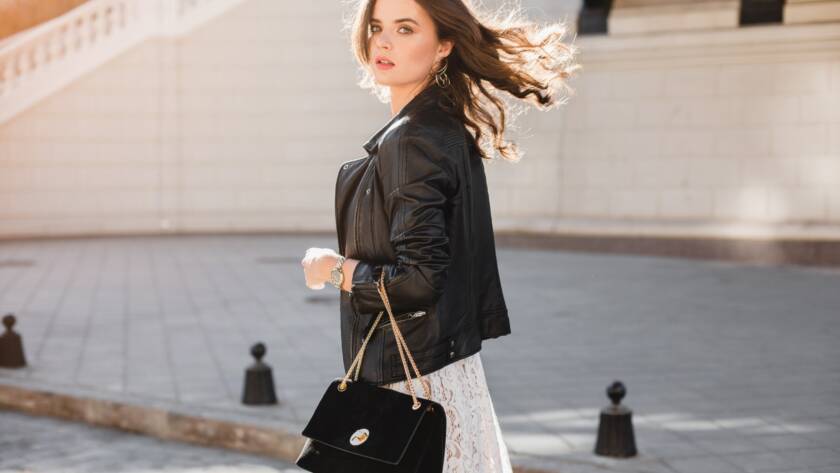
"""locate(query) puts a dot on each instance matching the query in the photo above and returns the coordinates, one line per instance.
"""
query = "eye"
(372, 28)
(406, 28)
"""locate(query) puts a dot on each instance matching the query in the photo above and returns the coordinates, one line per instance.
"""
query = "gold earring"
(441, 79)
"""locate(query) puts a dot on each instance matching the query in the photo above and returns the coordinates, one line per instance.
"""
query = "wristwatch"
(337, 274)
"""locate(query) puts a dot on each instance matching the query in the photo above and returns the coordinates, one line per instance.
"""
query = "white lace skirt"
(474, 441)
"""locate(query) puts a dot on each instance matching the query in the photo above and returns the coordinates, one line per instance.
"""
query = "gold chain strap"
(402, 346)
(401, 343)
(357, 361)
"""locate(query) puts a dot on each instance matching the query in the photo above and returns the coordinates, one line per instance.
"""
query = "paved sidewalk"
(729, 367)
(43, 445)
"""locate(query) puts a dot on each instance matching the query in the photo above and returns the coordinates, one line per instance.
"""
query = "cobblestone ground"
(46, 445)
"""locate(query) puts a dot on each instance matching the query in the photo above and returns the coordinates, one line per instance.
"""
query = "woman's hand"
(317, 264)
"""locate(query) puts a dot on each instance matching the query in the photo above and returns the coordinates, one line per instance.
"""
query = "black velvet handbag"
(359, 427)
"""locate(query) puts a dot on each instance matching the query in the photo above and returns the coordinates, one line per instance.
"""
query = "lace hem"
(474, 442)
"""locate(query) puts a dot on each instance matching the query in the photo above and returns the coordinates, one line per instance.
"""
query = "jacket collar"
(431, 91)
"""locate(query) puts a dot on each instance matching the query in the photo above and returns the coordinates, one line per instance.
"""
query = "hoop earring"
(441, 79)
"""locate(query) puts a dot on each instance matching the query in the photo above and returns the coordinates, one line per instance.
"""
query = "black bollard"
(11, 345)
(259, 383)
(615, 430)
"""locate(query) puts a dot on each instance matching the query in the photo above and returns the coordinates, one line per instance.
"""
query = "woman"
(417, 207)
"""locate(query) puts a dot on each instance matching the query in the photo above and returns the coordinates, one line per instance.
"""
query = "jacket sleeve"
(416, 188)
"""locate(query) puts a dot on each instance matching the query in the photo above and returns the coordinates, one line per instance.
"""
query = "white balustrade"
(36, 62)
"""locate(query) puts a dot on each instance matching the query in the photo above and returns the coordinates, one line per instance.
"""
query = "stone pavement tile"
(557, 421)
(768, 427)
(785, 441)
(814, 432)
(706, 464)
(555, 465)
(572, 463)
(665, 443)
(152, 386)
(827, 469)
(673, 451)
(810, 426)
(815, 409)
(834, 420)
(758, 462)
(824, 439)
(691, 426)
(535, 443)
(639, 463)
(578, 425)
(580, 442)
(726, 443)
(742, 424)
(813, 457)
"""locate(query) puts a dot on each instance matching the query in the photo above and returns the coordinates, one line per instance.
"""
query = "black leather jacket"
(417, 207)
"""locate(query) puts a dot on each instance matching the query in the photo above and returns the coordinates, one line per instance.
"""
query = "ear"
(445, 48)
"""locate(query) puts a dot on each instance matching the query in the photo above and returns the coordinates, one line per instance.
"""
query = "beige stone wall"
(713, 133)
(241, 126)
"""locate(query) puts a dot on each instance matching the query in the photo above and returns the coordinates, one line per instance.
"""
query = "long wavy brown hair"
(492, 52)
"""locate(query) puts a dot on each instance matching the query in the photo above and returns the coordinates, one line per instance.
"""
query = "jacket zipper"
(356, 228)
(347, 164)
(356, 251)
(402, 317)
(353, 336)
(362, 184)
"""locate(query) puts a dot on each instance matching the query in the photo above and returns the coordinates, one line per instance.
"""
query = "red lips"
(378, 60)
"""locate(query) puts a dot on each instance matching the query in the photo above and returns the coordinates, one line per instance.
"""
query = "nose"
(383, 42)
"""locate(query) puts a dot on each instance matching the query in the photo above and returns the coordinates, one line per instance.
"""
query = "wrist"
(336, 274)
(349, 268)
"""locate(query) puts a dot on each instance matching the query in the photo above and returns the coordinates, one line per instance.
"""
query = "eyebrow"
(399, 20)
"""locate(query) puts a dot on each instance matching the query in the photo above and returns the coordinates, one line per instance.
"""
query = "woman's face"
(402, 32)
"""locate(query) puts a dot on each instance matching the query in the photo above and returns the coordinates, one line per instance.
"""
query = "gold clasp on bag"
(359, 437)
